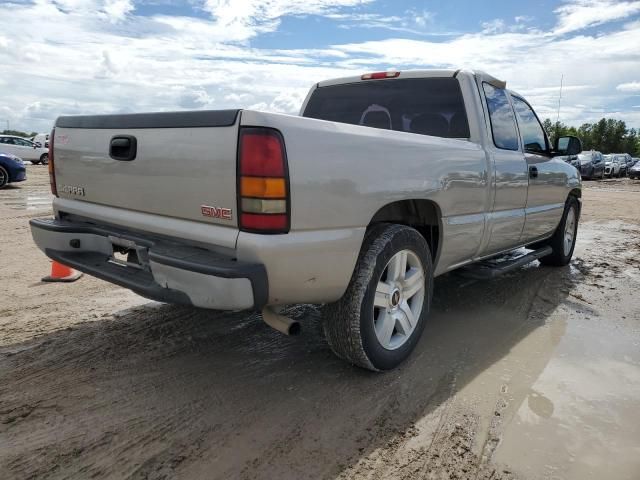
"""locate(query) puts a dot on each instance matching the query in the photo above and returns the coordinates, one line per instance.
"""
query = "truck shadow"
(160, 391)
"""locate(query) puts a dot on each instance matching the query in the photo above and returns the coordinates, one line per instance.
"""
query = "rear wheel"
(563, 241)
(4, 177)
(44, 158)
(378, 321)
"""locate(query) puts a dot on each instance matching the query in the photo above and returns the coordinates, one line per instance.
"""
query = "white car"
(611, 166)
(23, 148)
(41, 140)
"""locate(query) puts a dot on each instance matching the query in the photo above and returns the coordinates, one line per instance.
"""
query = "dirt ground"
(535, 375)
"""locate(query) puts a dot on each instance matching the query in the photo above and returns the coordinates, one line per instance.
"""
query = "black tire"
(349, 323)
(44, 159)
(560, 258)
(4, 177)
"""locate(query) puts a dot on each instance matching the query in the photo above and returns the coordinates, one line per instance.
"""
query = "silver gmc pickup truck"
(382, 183)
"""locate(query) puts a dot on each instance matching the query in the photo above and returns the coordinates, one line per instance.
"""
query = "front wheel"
(378, 321)
(44, 158)
(563, 241)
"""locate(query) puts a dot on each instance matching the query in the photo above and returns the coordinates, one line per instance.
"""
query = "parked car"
(384, 181)
(634, 171)
(23, 148)
(621, 158)
(628, 160)
(41, 140)
(12, 169)
(611, 166)
(590, 164)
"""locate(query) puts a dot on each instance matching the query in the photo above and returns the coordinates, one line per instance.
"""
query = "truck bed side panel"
(341, 175)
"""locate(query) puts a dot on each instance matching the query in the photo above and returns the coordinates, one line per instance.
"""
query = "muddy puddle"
(17, 198)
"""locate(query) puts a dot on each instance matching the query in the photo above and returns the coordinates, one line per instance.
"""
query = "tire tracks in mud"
(115, 389)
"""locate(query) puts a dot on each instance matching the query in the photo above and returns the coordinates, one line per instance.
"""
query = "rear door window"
(503, 122)
(426, 106)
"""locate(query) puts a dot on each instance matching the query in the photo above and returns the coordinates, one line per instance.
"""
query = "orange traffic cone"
(62, 273)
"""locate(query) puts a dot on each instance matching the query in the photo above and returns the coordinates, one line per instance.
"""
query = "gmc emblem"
(216, 212)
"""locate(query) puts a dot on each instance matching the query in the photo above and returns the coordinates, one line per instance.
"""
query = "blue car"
(12, 169)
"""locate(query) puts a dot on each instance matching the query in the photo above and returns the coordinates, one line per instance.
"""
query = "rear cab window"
(425, 106)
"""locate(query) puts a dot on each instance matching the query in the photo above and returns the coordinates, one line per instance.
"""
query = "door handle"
(533, 172)
(123, 147)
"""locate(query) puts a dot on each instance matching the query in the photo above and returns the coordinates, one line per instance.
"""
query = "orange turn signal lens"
(262, 187)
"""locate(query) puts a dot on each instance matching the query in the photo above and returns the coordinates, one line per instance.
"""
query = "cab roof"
(429, 73)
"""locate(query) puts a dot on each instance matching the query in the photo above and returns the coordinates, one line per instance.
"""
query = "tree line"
(606, 135)
(18, 133)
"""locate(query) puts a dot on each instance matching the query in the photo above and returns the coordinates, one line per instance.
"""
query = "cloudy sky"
(102, 56)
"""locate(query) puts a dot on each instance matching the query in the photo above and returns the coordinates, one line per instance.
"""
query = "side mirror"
(37, 145)
(568, 145)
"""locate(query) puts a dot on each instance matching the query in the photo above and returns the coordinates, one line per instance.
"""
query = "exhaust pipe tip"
(295, 328)
(281, 323)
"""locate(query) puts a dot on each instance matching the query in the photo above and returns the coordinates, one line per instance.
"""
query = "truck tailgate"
(184, 164)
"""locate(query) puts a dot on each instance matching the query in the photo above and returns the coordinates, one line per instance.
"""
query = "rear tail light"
(379, 75)
(52, 169)
(263, 181)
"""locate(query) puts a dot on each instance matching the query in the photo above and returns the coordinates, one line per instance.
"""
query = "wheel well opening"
(423, 215)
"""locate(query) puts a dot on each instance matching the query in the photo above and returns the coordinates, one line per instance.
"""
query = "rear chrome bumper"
(169, 270)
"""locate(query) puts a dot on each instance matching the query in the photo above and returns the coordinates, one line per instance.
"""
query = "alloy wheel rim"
(399, 299)
(3, 177)
(569, 231)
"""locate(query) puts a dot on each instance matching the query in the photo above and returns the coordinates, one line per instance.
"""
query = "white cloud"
(423, 18)
(580, 14)
(117, 10)
(250, 17)
(523, 19)
(412, 21)
(629, 87)
(493, 26)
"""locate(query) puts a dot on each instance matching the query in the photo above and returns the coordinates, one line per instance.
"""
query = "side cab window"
(533, 137)
(503, 124)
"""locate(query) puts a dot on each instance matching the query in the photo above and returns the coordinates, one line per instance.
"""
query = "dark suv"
(590, 164)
